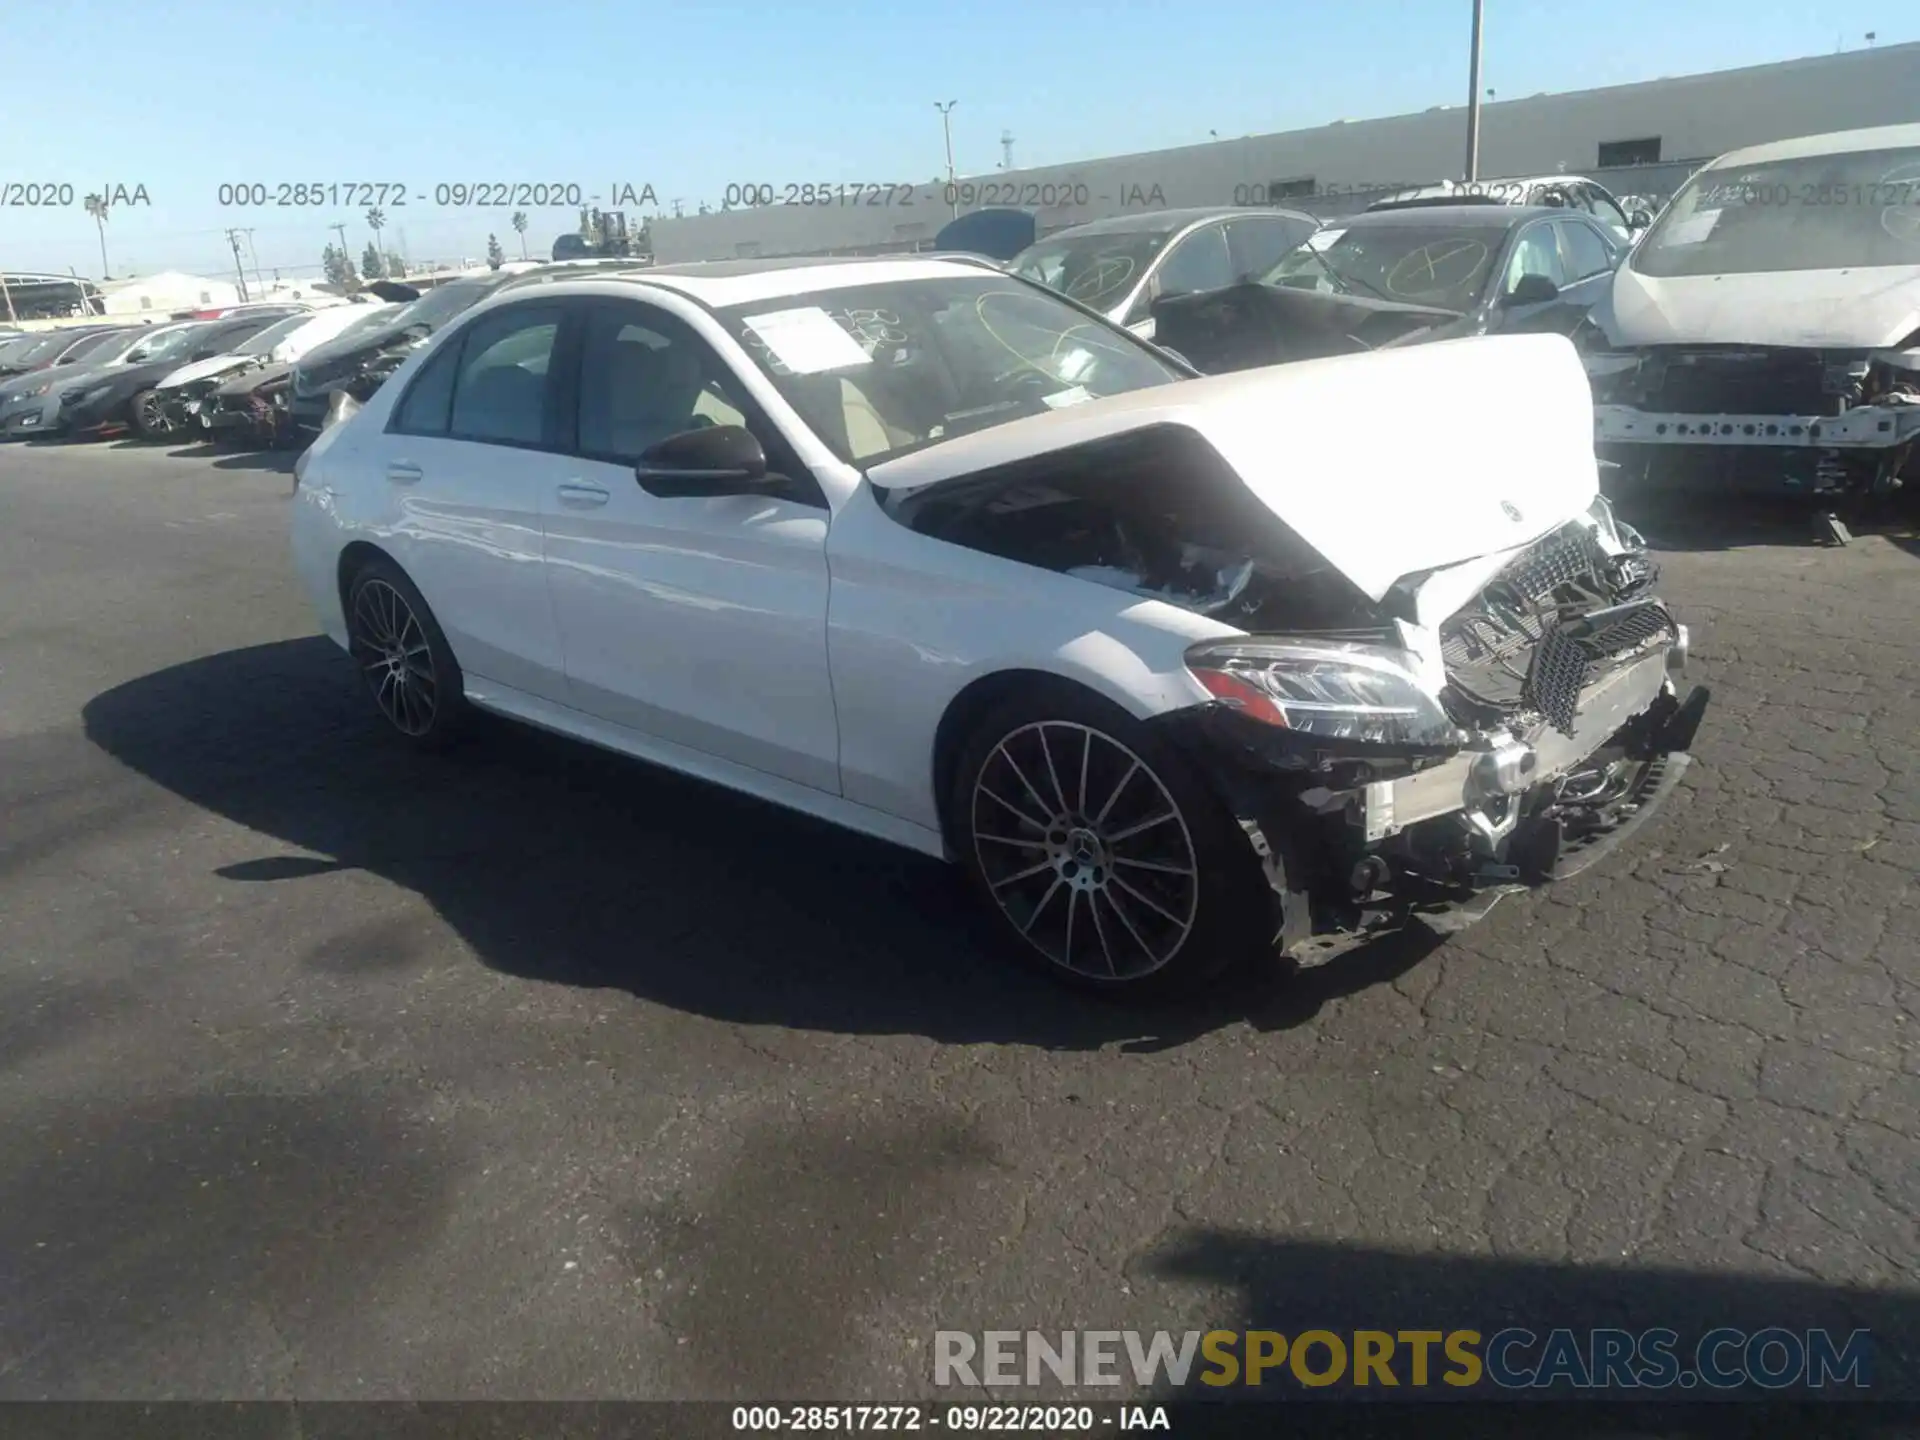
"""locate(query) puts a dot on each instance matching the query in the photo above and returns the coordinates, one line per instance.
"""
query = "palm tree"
(520, 224)
(376, 222)
(97, 208)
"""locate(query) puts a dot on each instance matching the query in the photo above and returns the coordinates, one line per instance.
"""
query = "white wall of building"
(167, 291)
(1695, 118)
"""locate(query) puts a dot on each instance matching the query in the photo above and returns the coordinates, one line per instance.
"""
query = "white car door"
(698, 621)
(468, 460)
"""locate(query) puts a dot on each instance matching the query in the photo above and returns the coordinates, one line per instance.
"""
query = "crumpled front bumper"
(1474, 776)
(1358, 842)
(23, 420)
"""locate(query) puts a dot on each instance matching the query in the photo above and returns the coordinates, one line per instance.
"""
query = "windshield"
(1439, 265)
(261, 343)
(437, 306)
(94, 347)
(1819, 212)
(1098, 270)
(43, 349)
(880, 370)
(167, 345)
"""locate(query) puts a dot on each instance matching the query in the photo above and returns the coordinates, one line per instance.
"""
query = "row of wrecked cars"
(258, 376)
(1761, 334)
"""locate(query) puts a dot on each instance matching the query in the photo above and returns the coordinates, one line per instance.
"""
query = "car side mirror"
(1640, 219)
(717, 460)
(1533, 290)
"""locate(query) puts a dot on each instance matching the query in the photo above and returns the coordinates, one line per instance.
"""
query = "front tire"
(148, 418)
(403, 657)
(1102, 855)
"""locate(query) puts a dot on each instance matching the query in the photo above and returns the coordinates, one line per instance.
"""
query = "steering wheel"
(1028, 376)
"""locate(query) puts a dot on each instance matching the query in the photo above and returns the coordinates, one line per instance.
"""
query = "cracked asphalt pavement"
(331, 1072)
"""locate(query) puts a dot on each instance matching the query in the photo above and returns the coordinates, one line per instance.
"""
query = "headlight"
(1336, 690)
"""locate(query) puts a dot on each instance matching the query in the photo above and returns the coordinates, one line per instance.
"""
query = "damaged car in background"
(358, 362)
(1176, 670)
(1124, 265)
(1401, 276)
(191, 395)
(1765, 334)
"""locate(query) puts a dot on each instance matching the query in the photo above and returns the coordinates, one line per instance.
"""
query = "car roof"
(1474, 216)
(1834, 142)
(1165, 222)
(739, 282)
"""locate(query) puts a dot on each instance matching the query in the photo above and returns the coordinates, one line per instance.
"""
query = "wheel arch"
(972, 704)
(354, 558)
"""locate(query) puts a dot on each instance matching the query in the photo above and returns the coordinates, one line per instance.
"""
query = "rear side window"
(488, 383)
(423, 409)
(500, 392)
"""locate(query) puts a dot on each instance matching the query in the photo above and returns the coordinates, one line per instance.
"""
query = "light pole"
(1473, 97)
(946, 127)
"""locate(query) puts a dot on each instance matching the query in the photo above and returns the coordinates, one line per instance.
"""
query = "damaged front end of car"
(184, 406)
(253, 408)
(1376, 797)
(1826, 423)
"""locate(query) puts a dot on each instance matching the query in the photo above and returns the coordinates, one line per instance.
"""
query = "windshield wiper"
(1346, 282)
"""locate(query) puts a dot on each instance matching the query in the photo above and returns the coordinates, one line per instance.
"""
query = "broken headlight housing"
(1332, 689)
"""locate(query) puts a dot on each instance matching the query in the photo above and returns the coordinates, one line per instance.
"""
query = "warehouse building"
(1642, 139)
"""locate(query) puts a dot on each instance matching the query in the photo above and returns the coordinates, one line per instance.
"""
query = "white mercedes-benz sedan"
(1180, 670)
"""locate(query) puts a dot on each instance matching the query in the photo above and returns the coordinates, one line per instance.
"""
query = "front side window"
(881, 370)
(1199, 262)
(1815, 212)
(1536, 254)
(1583, 250)
(168, 345)
(500, 388)
(645, 375)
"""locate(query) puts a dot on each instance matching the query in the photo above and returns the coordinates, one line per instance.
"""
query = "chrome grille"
(1581, 649)
(1546, 627)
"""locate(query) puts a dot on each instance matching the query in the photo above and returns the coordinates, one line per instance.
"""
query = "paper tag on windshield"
(1692, 230)
(807, 341)
(1062, 398)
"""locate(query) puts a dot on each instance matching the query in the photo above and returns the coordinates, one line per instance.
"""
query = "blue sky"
(690, 98)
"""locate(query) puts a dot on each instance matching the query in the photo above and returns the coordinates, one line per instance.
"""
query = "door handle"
(575, 492)
(403, 472)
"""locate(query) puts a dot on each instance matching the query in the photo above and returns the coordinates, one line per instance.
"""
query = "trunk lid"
(1387, 464)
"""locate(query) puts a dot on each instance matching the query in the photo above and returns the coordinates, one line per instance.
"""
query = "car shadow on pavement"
(232, 457)
(1291, 1286)
(1738, 522)
(558, 862)
(279, 462)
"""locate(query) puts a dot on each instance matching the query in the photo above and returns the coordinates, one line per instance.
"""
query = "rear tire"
(1101, 854)
(403, 657)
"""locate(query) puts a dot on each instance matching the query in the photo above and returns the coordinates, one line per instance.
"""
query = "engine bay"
(1154, 513)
